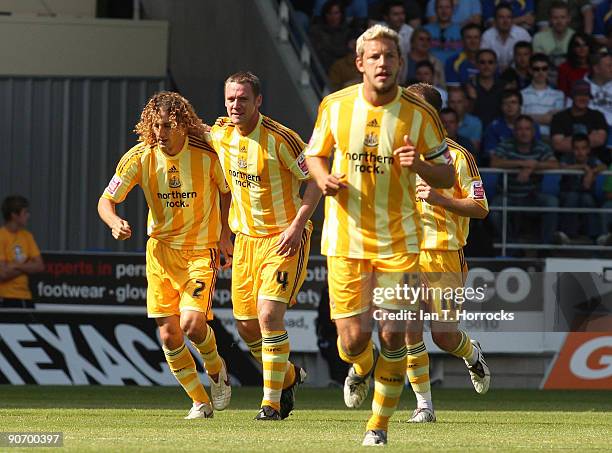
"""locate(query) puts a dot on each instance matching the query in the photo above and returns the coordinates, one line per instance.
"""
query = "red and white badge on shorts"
(477, 191)
(114, 184)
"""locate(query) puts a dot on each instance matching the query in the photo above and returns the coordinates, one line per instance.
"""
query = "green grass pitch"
(151, 419)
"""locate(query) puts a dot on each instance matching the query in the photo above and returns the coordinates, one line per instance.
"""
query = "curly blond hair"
(180, 112)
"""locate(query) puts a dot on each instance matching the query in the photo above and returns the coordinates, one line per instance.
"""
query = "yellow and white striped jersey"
(182, 192)
(442, 229)
(376, 216)
(264, 171)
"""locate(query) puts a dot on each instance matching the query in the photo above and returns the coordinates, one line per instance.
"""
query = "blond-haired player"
(182, 181)
(372, 228)
(446, 219)
(264, 166)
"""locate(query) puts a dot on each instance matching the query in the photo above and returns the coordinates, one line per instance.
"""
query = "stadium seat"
(550, 184)
(490, 180)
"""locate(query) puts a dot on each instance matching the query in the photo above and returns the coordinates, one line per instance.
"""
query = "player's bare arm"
(226, 245)
(120, 228)
(437, 175)
(466, 207)
(290, 239)
(328, 184)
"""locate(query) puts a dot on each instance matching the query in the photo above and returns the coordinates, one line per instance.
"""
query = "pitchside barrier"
(88, 323)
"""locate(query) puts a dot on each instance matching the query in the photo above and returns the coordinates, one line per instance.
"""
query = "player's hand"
(289, 240)
(426, 193)
(408, 154)
(333, 184)
(226, 246)
(121, 230)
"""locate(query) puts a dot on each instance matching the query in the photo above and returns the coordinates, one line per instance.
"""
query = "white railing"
(505, 245)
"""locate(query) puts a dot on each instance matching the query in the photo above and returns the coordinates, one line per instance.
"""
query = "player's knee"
(391, 339)
(191, 328)
(248, 329)
(171, 337)
(445, 340)
(270, 319)
(354, 342)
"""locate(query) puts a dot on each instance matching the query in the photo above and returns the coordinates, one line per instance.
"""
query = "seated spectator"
(425, 73)
(540, 101)
(606, 217)
(581, 14)
(484, 90)
(412, 9)
(394, 16)
(576, 65)
(464, 12)
(600, 80)
(577, 191)
(329, 37)
(501, 128)
(519, 69)
(580, 119)
(420, 43)
(603, 23)
(445, 35)
(554, 41)
(470, 126)
(460, 67)
(344, 72)
(19, 254)
(353, 9)
(502, 37)
(522, 12)
(525, 153)
(450, 120)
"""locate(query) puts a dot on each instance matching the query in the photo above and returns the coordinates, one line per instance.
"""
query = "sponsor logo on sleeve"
(477, 192)
(301, 162)
(113, 185)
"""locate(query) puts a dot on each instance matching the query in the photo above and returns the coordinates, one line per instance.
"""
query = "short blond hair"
(377, 32)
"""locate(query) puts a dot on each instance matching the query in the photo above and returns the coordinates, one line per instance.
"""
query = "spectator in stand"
(484, 90)
(554, 41)
(519, 69)
(600, 81)
(576, 66)
(580, 119)
(577, 191)
(540, 101)
(19, 254)
(394, 16)
(470, 126)
(445, 35)
(502, 128)
(464, 12)
(425, 73)
(502, 37)
(603, 23)
(581, 14)
(525, 153)
(354, 10)
(450, 120)
(522, 12)
(460, 67)
(419, 51)
(329, 37)
(606, 217)
(344, 72)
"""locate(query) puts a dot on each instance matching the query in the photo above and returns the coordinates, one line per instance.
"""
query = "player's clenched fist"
(407, 154)
(426, 193)
(121, 230)
(332, 184)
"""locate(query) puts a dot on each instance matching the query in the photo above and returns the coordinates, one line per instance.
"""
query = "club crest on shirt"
(174, 182)
(113, 185)
(371, 140)
(478, 192)
(242, 163)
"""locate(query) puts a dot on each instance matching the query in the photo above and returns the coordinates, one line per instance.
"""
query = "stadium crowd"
(525, 85)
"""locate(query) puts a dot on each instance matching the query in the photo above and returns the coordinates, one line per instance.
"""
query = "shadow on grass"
(248, 398)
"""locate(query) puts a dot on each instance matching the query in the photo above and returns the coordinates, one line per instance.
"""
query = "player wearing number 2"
(188, 203)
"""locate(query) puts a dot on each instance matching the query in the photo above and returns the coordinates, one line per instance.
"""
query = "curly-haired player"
(188, 201)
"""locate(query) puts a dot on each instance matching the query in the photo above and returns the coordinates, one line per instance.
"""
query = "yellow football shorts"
(179, 280)
(443, 273)
(259, 273)
(355, 285)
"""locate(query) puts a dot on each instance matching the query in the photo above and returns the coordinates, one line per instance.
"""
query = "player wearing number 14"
(188, 202)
